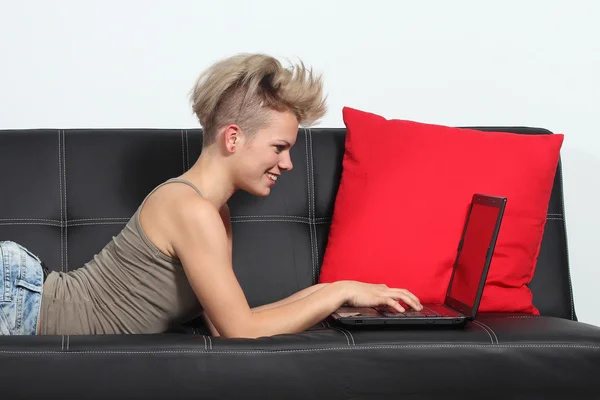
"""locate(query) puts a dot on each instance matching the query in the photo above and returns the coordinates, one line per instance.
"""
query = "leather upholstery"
(65, 193)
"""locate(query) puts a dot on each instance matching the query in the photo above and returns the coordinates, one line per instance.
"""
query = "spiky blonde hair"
(239, 90)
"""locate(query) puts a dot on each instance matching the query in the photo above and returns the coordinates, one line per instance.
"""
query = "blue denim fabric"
(21, 284)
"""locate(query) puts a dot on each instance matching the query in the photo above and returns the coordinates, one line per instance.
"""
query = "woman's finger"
(407, 299)
(412, 296)
(394, 304)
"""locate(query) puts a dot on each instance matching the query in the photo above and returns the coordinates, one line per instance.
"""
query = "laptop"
(473, 259)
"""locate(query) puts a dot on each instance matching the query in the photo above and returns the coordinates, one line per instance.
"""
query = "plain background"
(89, 64)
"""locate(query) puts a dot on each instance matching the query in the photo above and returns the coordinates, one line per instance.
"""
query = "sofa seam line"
(339, 330)
(357, 347)
(60, 195)
(187, 149)
(485, 330)
(312, 254)
(108, 221)
(65, 194)
(314, 207)
(491, 330)
(311, 214)
(344, 331)
(182, 151)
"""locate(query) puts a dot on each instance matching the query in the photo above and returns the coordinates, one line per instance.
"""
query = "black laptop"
(473, 259)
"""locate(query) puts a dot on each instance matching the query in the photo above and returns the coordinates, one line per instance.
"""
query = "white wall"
(131, 64)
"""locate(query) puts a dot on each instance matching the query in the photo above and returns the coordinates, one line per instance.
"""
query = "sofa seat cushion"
(496, 356)
(487, 331)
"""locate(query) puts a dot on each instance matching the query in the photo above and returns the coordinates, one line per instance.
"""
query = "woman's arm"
(200, 242)
(296, 296)
(226, 218)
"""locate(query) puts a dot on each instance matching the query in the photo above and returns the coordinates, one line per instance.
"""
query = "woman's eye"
(279, 148)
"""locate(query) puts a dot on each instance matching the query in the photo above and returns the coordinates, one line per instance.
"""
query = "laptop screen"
(472, 258)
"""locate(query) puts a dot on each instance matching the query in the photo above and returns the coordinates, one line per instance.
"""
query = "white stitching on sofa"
(31, 223)
(182, 151)
(485, 329)
(314, 208)
(99, 223)
(68, 341)
(99, 219)
(123, 221)
(312, 252)
(57, 221)
(339, 330)
(344, 331)
(187, 149)
(30, 219)
(209, 342)
(269, 220)
(62, 217)
(305, 219)
(291, 217)
(554, 218)
(62, 342)
(352, 348)
(311, 199)
(491, 330)
(66, 208)
(195, 331)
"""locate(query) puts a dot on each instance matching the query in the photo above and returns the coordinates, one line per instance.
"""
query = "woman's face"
(263, 157)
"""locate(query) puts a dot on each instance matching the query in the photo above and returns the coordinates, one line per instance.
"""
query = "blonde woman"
(172, 261)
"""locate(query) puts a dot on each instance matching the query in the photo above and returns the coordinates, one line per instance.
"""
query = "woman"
(172, 261)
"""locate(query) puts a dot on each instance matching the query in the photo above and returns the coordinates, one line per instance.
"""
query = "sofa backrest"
(66, 193)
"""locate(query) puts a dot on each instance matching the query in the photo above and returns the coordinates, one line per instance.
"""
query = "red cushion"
(404, 195)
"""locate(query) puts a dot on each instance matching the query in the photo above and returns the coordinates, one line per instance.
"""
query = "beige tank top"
(129, 287)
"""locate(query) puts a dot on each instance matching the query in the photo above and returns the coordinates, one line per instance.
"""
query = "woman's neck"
(211, 176)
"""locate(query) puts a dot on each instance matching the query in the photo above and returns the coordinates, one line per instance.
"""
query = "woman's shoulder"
(168, 212)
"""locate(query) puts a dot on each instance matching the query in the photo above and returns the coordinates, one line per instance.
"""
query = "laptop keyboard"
(425, 312)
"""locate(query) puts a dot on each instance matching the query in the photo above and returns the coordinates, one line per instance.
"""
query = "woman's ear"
(231, 137)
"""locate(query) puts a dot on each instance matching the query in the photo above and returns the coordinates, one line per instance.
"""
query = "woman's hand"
(359, 294)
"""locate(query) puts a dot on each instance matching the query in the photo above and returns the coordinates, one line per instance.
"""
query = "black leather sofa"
(65, 193)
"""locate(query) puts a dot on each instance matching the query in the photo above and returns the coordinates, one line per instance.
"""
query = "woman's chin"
(263, 191)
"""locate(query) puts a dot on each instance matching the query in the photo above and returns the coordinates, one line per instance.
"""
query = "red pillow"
(404, 195)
